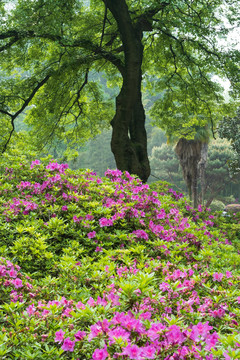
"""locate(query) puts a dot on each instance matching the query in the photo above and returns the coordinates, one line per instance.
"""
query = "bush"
(111, 268)
(217, 205)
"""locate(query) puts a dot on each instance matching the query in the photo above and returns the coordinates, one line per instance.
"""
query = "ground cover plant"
(110, 268)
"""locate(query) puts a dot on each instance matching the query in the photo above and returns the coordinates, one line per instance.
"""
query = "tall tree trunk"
(129, 139)
(189, 154)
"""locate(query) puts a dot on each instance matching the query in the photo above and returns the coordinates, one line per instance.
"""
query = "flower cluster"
(121, 270)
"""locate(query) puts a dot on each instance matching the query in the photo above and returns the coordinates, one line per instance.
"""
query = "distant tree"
(218, 182)
(50, 51)
(229, 128)
(218, 178)
(165, 166)
(192, 155)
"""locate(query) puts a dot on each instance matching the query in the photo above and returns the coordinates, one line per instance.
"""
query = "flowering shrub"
(112, 269)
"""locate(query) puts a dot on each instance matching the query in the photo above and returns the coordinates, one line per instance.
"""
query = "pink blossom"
(64, 208)
(116, 333)
(31, 309)
(59, 336)
(133, 352)
(200, 331)
(80, 335)
(100, 354)
(91, 302)
(17, 283)
(155, 330)
(141, 234)
(228, 274)
(36, 162)
(98, 249)
(12, 273)
(105, 222)
(95, 331)
(91, 235)
(68, 345)
(211, 340)
(80, 305)
(148, 352)
(217, 277)
(174, 335)
(218, 313)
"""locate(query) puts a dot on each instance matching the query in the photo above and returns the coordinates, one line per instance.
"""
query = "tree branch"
(23, 107)
(104, 23)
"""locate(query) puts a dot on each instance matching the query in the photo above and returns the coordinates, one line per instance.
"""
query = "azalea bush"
(110, 268)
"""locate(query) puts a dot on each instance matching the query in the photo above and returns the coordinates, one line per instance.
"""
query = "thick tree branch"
(104, 23)
(81, 43)
(144, 21)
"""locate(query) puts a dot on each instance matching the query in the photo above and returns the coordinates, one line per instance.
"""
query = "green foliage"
(229, 128)
(158, 263)
(217, 205)
(219, 183)
(52, 52)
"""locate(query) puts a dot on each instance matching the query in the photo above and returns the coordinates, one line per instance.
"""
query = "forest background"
(63, 67)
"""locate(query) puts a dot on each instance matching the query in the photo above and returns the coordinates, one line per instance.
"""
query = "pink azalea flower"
(59, 336)
(98, 249)
(228, 274)
(174, 335)
(17, 283)
(80, 335)
(100, 354)
(64, 208)
(95, 331)
(31, 309)
(211, 340)
(133, 352)
(116, 333)
(148, 352)
(91, 302)
(12, 273)
(217, 277)
(68, 345)
(91, 235)
(36, 162)
(200, 331)
(105, 222)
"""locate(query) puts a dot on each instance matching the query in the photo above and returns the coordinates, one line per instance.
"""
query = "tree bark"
(202, 169)
(189, 154)
(129, 139)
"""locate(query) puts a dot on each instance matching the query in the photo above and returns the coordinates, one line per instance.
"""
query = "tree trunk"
(195, 185)
(129, 139)
(189, 154)
(202, 169)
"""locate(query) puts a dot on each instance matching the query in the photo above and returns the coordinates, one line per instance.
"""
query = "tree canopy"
(52, 52)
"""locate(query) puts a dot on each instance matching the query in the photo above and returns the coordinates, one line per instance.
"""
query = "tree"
(229, 128)
(165, 166)
(218, 182)
(192, 155)
(50, 51)
(218, 179)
